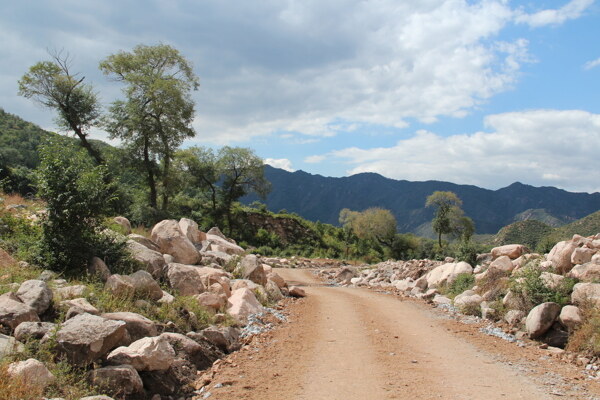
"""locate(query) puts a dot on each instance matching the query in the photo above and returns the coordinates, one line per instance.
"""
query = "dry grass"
(15, 388)
(586, 338)
(142, 230)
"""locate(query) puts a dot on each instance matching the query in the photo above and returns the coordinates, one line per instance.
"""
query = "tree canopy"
(449, 217)
(375, 223)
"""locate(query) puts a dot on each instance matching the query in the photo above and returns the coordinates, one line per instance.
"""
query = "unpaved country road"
(348, 343)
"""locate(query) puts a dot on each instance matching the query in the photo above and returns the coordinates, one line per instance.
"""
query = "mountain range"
(320, 198)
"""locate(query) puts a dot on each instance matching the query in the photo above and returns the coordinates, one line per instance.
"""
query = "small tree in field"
(449, 217)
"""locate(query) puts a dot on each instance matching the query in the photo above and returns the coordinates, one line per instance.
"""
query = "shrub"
(528, 285)
(587, 336)
(464, 281)
(78, 195)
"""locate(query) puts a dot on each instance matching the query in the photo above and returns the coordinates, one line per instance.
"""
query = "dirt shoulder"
(348, 343)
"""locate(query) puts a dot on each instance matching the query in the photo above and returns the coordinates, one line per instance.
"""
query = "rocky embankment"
(514, 289)
(125, 353)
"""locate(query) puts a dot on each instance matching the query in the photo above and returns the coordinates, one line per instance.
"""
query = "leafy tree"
(375, 224)
(78, 197)
(158, 110)
(449, 216)
(53, 85)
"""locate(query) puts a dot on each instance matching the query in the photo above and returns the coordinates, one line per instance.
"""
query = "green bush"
(464, 281)
(528, 285)
(78, 195)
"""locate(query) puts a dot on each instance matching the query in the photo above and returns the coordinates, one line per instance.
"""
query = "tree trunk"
(87, 145)
(150, 171)
(440, 239)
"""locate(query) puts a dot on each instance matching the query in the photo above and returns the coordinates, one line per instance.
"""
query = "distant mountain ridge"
(319, 198)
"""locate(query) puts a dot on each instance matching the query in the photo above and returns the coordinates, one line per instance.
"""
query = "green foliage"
(449, 218)
(78, 197)
(462, 282)
(374, 224)
(467, 251)
(530, 233)
(530, 288)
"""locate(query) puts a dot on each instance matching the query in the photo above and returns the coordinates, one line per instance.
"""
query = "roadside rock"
(220, 244)
(118, 380)
(502, 263)
(242, 303)
(36, 294)
(145, 286)
(513, 251)
(119, 285)
(570, 316)
(87, 337)
(13, 311)
(211, 301)
(98, 268)
(560, 256)
(169, 238)
(447, 273)
(191, 231)
(514, 317)
(583, 292)
(124, 223)
(147, 354)
(541, 318)
(153, 261)
(227, 339)
(9, 345)
(251, 269)
(468, 301)
(588, 272)
(198, 354)
(144, 241)
(137, 325)
(273, 291)
(32, 372)
(185, 279)
(32, 330)
(296, 291)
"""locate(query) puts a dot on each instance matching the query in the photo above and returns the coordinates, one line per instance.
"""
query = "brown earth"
(348, 343)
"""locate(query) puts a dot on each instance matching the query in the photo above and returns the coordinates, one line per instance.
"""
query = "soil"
(349, 343)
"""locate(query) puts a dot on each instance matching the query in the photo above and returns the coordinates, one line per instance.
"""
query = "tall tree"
(449, 217)
(157, 113)
(53, 85)
(241, 172)
(375, 223)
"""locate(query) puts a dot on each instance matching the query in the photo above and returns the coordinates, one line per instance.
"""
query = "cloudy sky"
(475, 92)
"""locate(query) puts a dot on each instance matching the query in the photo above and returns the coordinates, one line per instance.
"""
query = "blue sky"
(473, 92)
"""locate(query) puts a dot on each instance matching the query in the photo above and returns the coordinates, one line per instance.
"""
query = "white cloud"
(282, 163)
(591, 64)
(540, 147)
(572, 10)
(314, 159)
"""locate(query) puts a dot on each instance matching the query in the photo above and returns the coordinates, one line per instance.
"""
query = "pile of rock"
(126, 353)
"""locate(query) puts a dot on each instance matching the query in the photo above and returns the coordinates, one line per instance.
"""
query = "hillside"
(529, 233)
(319, 198)
(587, 226)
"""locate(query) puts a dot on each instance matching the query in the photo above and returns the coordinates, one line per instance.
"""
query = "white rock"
(190, 229)
(512, 251)
(570, 317)
(147, 354)
(36, 294)
(169, 238)
(13, 311)
(584, 292)
(447, 273)
(32, 373)
(242, 303)
(186, 279)
(560, 256)
(541, 318)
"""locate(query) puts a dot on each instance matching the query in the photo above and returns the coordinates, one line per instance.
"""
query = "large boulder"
(198, 353)
(275, 277)
(119, 285)
(118, 380)
(85, 338)
(124, 224)
(70, 292)
(145, 286)
(13, 311)
(220, 244)
(147, 354)
(570, 317)
(587, 272)
(152, 260)
(185, 279)
(169, 238)
(191, 231)
(446, 273)
(137, 325)
(345, 274)
(541, 318)
(9, 345)
(513, 251)
(242, 303)
(251, 269)
(296, 291)
(144, 241)
(586, 292)
(33, 330)
(273, 291)
(560, 256)
(211, 301)
(81, 304)
(502, 264)
(227, 339)
(468, 301)
(31, 372)
(582, 255)
(98, 268)
(36, 294)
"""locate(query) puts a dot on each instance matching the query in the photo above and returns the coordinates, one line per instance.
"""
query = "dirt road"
(348, 343)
